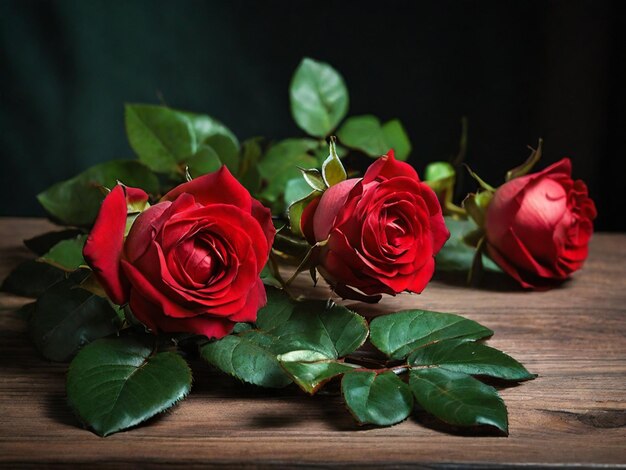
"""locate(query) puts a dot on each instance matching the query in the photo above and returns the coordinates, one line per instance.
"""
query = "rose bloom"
(538, 226)
(190, 263)
(381, 232)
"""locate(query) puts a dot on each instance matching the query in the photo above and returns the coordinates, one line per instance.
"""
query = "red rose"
(382, 231)
(538, 226)
(190, 263)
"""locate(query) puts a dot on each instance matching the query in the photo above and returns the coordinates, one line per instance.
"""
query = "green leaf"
(268, 277)
(314, 325)
(441, 177)
(365, 133)
(31, 278)
(167, 140)
(397, 334)
(470, 358)
(67, 254)
(116, 383)
(67, 317)
(397, 138)
(281, 163)
(372, 398)
(226, 149)
(248, 174)
(319, 98)
(250, 357)
(277, 310)
(456, 254)
(295, 190)
(204, 161)
(77, 201)
(41, 244)
(311, 376)
(309, 329)
(212, 133)
(458, 398)
(437, 171)
(206, 127)
(333, 171)
(160, 136)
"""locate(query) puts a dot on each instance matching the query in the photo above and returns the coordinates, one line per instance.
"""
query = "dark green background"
(518, 70)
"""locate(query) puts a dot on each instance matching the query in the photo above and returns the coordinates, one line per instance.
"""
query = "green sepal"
(476, 205)
(296, 210)
(459, 251)
(333, 171)
(479, 180)
(314, 179)
(524, 168)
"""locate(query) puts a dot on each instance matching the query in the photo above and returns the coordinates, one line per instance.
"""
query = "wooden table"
(574, 413)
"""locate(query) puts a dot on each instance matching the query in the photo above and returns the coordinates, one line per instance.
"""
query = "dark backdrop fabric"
(517, 70)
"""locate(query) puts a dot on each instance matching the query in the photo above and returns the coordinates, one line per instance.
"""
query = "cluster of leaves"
(70, 309)
(169, 144)
(429, 360)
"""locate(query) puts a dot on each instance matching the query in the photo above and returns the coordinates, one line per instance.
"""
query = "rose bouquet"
(190, 252)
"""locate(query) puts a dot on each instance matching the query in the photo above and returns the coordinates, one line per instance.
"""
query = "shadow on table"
(489, 281)
(57, 410)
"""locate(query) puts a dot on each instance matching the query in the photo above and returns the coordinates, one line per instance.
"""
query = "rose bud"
(378, 234)
(538, 226)
(190, 263)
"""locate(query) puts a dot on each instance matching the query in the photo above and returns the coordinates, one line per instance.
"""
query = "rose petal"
(149, 314)
(144, 230)
(257, 298)
(104, 246)
(329, 206)
(264, 216)
(220, 187)
(387, 167)
(306, 221)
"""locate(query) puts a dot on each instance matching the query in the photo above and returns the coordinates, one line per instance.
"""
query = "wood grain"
(574, 413)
